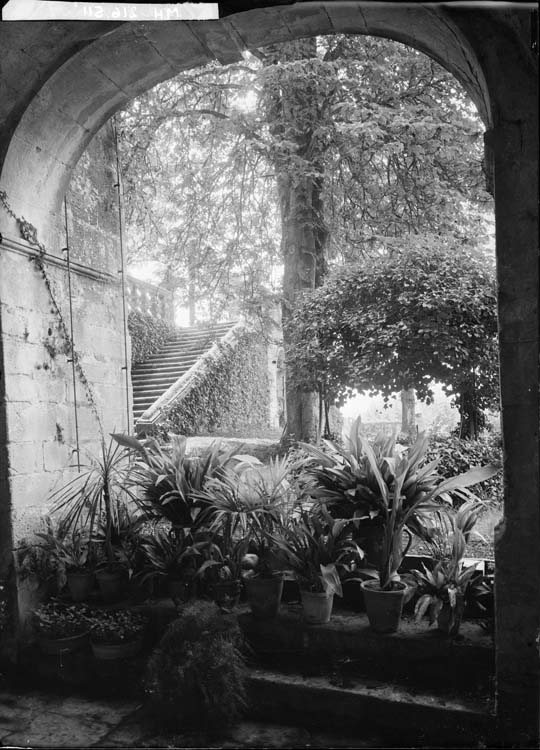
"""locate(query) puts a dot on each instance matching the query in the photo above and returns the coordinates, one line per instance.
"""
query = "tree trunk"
(471, 417)
(408, 416)
(292, 116)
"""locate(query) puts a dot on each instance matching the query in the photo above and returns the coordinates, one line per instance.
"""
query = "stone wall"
(49, 408)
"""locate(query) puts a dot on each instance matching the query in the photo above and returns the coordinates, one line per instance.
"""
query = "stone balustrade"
(149, 299)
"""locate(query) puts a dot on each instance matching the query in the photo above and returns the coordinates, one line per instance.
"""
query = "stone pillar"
(514, 149)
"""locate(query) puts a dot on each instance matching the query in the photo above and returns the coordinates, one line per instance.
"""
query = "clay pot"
(264, 596)
(64, 645)
(383, 607)
(80, 584)
(108, 651)
(317, 607)
(226, 593)
(113, 584)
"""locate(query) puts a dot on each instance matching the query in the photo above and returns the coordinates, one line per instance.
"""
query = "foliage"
(148, 335)
(4, 607)
(251, 506)
(58, 620)
(231, 393)
(315, 547)
(456, 455)
(389, 134)
(448, 582)
(94, 499)
(197, 674)
(115, 626)
(37, 559)
(169, 479)
(398, 489)
(168, 553)
(420, 313)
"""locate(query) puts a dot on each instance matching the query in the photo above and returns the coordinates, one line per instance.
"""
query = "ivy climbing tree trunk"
(296, 103)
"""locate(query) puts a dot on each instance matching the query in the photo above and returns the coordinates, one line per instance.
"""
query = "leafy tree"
(399, 321)
(311, 153)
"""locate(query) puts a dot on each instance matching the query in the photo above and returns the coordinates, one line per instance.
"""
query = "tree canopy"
(402, 320)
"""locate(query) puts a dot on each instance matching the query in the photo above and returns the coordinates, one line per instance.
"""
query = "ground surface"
(41, 720)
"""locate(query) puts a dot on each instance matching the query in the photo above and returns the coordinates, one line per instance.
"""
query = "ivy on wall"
(148, 335)
(231, 395)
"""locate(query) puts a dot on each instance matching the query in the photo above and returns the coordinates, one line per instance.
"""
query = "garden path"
(34, 719)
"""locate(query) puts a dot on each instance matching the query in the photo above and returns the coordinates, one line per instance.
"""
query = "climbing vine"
(147, 335)
(29, 233)
(230, 396)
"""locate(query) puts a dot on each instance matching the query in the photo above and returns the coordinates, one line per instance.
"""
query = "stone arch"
(93, 83)
(59, 90)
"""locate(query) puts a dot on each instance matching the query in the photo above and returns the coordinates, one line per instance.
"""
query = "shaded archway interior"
(120, 63)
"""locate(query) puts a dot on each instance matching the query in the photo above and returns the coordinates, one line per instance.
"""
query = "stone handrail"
(149, 299)
(157, 412)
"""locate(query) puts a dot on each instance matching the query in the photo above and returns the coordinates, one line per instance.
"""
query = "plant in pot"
(166, 480)
(75, 556)
(169, 558)
(219, 569)
(93, 500)
(314, 546)
(37, 559)
(407, 495)
(443, 589)
(60, 627)
(116, 634)
(249, 505)
(196, 677)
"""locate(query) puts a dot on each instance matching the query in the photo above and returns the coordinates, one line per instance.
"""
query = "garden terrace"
(62, 81)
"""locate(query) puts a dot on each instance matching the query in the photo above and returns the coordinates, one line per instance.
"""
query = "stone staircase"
(152, 378)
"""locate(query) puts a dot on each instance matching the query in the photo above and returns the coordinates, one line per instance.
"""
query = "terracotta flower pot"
(113, 584)
(383, 607)
(264, 596)
(108, 651)
(226, 593)
(80, 584)
(64, 645)
(317, 607)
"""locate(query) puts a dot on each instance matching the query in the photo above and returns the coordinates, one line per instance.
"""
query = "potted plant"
(61, 628)
(93, 500)
(37, 559)
(74, 554)
(167, 480)
(314, 547)
(408, 491)
(250, 505)
(168, 559)
(443, 589)
(219, 569)
(116, 634)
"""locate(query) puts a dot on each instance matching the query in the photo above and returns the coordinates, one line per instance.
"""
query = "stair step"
(416, 653)
(406, 717)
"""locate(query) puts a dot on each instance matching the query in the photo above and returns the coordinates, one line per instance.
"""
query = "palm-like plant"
(170, 479)
(449, 580)
(407, 493)
(94, 499)
(251, 505)
(315, 546)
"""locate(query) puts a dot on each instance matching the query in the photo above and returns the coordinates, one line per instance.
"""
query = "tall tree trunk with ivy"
(295, 104)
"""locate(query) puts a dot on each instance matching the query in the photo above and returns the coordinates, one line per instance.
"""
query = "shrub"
(117, 626)
(196, 676)
(147, 335)
(457, 456)
(58, 620)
